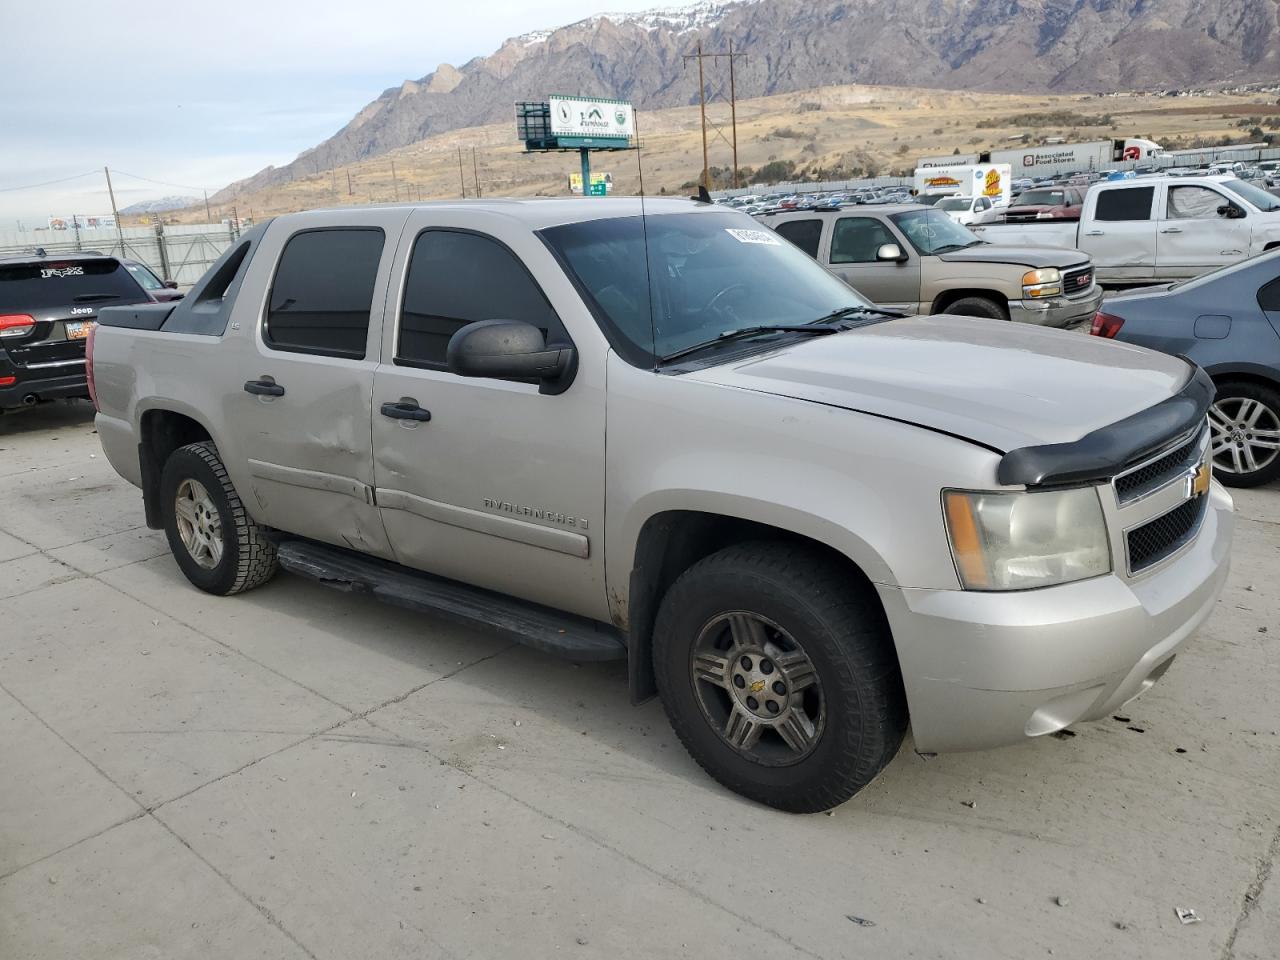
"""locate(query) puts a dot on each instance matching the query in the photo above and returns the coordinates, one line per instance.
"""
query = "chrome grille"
(1154, 474)
(1078, 281)
(1164, 536)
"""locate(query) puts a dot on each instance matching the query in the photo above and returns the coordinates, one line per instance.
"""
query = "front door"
(1121, 234)
(1193, 237)
(303, 377)
(851, 255)
(503, 486)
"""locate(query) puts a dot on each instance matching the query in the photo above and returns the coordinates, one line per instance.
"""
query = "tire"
(796, 596)
(978, 307)
(1244, 416)
(238, 556)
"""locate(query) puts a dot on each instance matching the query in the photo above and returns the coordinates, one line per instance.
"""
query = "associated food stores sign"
(584, 117)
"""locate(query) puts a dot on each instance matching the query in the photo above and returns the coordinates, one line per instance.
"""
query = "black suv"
(48, 305)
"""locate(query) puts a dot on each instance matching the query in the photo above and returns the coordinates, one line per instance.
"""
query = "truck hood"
(1037, 257)
(1005, 386)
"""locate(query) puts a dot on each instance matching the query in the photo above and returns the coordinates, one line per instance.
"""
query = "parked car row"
(48, 305)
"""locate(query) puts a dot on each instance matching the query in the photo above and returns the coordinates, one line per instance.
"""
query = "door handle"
(1096, 233)
(263, 388)
(1171, 230)
(406, 409)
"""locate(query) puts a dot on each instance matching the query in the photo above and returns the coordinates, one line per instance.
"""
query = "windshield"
(931, 232)
(55, 284)
(1259, 198)
(954, 203)
(929, 199)
(708, 273)
(1042, 198)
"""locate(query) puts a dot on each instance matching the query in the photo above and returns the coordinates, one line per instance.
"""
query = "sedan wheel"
(1245, 424)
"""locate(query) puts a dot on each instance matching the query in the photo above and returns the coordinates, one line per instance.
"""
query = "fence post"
(162, 250)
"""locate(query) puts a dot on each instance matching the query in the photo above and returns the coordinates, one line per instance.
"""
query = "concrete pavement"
(300, 773)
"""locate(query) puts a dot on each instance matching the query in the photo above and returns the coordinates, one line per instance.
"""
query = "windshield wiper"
(743, 332)
(95, 297)
(860, 310)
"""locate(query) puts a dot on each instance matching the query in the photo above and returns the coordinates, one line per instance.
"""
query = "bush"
(809, 106)
(774, 171)
(788, 133)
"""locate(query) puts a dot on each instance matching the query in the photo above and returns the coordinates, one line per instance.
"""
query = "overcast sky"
(198, 94)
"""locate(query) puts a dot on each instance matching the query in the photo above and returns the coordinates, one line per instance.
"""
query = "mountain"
(991, 45)
(162, 205)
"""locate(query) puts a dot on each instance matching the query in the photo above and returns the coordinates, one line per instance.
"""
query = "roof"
(537, 213)
(885, 208)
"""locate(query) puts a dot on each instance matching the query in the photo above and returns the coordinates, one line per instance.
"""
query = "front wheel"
(778, 673)
(978, 307)
(214, 540)
(1245, 425)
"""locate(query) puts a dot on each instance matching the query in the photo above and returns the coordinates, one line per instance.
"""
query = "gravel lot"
(299, 773)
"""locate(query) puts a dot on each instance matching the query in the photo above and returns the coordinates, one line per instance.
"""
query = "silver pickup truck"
(662, 434)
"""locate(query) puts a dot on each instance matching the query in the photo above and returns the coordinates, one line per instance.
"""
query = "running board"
(563, 634)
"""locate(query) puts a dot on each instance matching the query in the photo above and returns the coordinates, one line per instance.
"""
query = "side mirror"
(891, 252)
(1230, 211)
(510, 350)
(171, 284)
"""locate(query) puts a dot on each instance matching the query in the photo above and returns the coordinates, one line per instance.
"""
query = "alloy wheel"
(199, 524)
(1246, 435)
(757, 688)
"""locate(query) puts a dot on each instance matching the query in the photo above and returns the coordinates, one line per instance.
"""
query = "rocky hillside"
(995, 45)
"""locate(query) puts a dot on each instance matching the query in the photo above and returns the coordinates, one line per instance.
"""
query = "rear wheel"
(778, 673)
(978, 307)
(216, 543)
(1245, 424)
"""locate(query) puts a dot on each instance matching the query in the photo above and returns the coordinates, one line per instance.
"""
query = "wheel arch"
(160, 432)
(947, 297)
(670, 541)
(1244, 372)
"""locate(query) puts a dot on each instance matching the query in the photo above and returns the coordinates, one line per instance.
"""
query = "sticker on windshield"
(48, 272)
(754, 236)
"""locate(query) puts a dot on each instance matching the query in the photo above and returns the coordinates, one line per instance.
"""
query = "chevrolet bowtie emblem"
(1198, 482)
(757, 686)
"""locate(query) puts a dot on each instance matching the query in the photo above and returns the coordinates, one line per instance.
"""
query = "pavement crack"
(1252, 894)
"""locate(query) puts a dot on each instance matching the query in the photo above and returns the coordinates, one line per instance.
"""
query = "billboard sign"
(601, 184)
(594, 118)
(84, 222)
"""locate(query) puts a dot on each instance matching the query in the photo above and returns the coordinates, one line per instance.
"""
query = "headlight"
(1016, 541)
(1042, 283)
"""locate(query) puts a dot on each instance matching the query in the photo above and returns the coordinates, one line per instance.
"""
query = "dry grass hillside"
(840, 131)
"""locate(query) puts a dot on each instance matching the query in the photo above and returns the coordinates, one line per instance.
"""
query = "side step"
(564, 634)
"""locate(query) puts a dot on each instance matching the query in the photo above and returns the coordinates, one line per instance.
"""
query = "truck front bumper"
(1057, 311)
(987, 669)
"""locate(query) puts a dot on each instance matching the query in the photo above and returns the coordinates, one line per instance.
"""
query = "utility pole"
(732, 57)
(462, 180)
(475, 171)
(349, 193)
(394, 182)
(207, 215)
(114, 212)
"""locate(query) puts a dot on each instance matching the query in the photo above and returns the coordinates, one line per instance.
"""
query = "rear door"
(851, 255)
(61, 298)
(805, 234)
(298, 394)
(1193, 237)
(1119, 231)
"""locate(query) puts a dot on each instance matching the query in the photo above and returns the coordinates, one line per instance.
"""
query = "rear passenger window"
(805, 234)
(1269, 296)
(456, 279)
(1133, 203)
(323, 292)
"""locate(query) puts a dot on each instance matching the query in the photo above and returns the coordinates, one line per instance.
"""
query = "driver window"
(1194, 203)
(856, 239)
(458, 278)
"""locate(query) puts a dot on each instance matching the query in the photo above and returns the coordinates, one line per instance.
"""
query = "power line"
(162, 183)
(46, 183)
